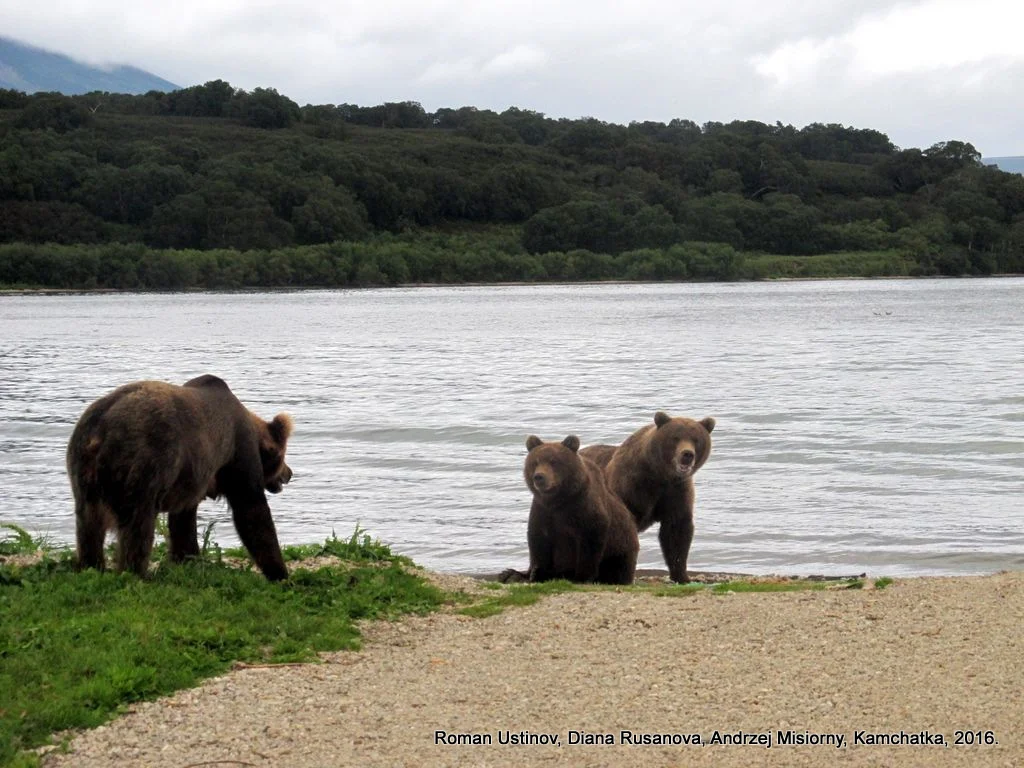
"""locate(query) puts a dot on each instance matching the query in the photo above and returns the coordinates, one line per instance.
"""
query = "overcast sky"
(921, 71)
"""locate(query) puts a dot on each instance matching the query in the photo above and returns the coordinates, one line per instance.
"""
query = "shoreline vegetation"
(76, 648)
(45, 291)
(213, 187)
(412, 261)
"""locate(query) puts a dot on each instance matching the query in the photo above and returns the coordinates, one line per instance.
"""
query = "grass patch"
(518, 595)
(796, 585)
(883, 582)
(76, 647)
(671, 590)
(15, 540)
(358, 548)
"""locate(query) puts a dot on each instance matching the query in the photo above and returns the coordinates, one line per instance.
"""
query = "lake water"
(870, 426)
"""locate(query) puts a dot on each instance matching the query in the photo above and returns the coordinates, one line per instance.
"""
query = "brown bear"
(652, 472)
(578, 529)
(152, 447)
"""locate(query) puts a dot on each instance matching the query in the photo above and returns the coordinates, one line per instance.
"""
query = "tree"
(11, 99)
(954, 154)
(263, 108)
(513, 193)
(330, 213)
(52, 111)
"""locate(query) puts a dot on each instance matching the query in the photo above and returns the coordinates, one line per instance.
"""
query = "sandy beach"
(796, 679)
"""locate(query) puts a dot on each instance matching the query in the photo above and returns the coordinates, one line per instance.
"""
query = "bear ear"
(708, 423)
(661, 418)
(572, 443)
(280, 428)
(532, 442)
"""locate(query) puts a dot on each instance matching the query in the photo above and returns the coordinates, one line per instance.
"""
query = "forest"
(216, 187)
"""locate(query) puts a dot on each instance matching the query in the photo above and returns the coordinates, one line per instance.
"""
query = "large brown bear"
(652, 472)
(578, 529)
(152, 447)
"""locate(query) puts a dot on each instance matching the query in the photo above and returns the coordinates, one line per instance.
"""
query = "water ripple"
(847, 441)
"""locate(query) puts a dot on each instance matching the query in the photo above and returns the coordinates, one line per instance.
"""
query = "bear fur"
(151, 447)
(578, 529)
(652, 472)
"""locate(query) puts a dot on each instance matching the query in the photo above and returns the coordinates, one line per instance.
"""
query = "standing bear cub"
(652, 472)
(578, 530)
(152, 447)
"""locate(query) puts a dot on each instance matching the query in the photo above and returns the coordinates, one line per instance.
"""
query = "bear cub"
(578, 529)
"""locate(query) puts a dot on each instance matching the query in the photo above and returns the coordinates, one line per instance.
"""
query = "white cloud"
(466, 68)
(796, 63)
(522, 58)
(937, 35)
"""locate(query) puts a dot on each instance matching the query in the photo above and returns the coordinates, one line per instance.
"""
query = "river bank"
(42, 291)
(924, 659)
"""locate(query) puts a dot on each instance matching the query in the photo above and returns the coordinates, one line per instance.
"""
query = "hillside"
(30, 69)
(1008, 164)
(219, 187)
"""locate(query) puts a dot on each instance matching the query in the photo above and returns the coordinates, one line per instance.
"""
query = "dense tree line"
(251, 178)
(402, 259)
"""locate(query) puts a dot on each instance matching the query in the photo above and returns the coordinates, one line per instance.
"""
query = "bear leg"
(256, 529)
(538, 574)
(183, 537)
(676, 535)
(512, 576)
(588, 555)
(91, 522)
(135, 542)
(619, 569)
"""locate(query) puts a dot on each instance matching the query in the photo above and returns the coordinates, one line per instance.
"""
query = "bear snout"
(540, 481)
(687, 458)
(282, 479)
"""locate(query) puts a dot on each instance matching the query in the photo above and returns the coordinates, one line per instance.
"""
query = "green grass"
(15, 540)
(76, 647)
(670, 590)
(518, 595)
(797, 585)
(359, 548)
(883, 582)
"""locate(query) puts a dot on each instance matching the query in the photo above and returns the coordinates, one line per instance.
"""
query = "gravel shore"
(924, 655)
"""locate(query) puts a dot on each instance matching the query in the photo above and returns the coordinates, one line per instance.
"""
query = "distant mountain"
(1008, 164)
(30, 69)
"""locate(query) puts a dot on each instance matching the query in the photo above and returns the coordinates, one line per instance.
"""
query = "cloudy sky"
(920, 70)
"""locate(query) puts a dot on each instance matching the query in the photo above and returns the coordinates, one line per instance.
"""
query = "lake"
(870, 426)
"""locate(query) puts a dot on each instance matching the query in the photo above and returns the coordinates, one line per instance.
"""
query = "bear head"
(680, 445)
(273, 437)
(553, 469)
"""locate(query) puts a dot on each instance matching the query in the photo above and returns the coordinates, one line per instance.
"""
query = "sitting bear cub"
(578, 529)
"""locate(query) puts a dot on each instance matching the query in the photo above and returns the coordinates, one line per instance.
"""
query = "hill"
(1008, 164)
(218, 187)
(30, 69)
